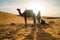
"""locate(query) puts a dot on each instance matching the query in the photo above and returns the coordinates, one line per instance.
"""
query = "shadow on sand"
(37, 32)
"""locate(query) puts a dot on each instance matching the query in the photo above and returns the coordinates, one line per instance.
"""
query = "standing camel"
(26, 14)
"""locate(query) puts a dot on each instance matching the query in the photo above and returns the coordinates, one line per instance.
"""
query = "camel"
(26, 14)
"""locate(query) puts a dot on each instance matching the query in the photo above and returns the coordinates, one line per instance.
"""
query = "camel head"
(19, 11)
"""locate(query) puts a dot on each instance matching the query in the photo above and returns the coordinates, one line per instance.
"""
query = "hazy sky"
(47, 7)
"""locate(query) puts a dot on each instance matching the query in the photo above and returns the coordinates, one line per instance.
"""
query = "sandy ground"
(21, 32)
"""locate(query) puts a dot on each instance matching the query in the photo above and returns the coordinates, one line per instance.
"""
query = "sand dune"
(7, 18)
(20, 32)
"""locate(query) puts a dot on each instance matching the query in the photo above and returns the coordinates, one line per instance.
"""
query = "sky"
(47, 7)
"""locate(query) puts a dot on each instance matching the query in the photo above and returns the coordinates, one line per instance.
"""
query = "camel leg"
(25, 21)
(34, 20)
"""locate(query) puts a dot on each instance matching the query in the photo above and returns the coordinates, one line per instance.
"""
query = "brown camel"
(26, 14)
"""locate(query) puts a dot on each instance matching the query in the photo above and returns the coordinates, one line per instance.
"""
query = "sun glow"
(36, 6)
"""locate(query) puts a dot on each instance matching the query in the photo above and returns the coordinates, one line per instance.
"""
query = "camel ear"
(18, 9)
